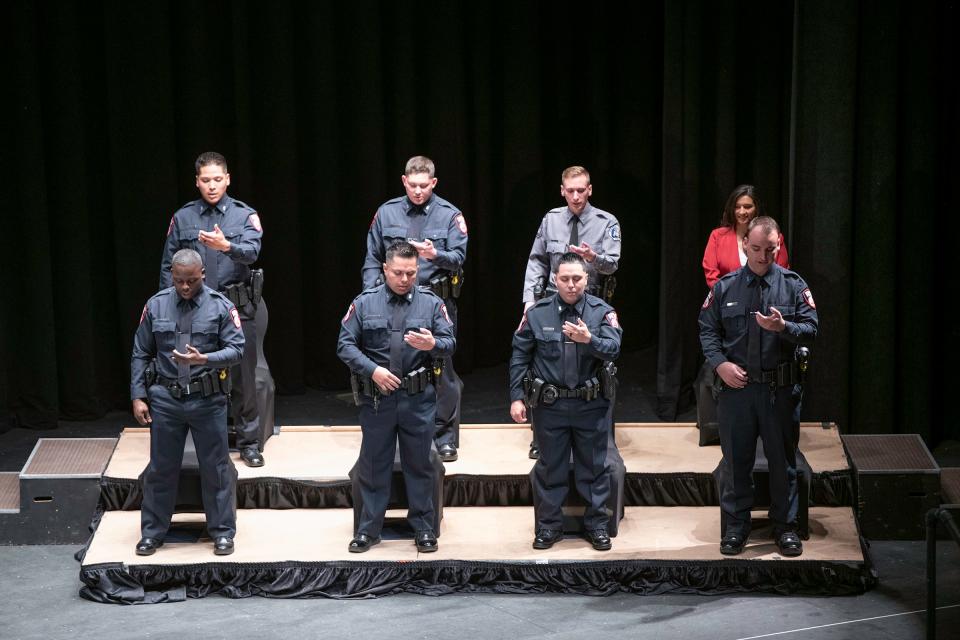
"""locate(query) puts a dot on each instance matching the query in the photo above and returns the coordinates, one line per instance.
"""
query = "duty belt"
(446, 286)
(786, 374)
(206, 384)
(413, 383)
(243, 293)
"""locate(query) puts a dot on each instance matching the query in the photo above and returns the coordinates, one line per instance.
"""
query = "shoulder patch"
(615, 231)
(443, 312)
(373, 220)
(349, 313)
(808, 297)
(170, 226)
(143, 314)
(706, 303)
(613, 320)
(236, 317)
(461, 224)
(255, 221)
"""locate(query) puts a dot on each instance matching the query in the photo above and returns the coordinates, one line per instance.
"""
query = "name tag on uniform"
(549, 329)
(731, 304)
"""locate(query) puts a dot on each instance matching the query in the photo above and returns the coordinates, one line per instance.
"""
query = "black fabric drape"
(316, 108)
(155, 584)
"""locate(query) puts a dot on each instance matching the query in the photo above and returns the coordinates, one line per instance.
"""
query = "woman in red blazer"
(724, 252)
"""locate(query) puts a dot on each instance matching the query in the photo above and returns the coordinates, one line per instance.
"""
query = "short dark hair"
(419, 164)
(728, 218)
(400, 249)
(210, 157)
(768, 224)
(571, 258)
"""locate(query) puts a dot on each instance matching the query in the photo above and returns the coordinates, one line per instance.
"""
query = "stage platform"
(307, 467)
(295, 523)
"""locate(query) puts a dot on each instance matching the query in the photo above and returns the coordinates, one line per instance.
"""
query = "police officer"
(388, 337)
(227, 234)
(559, 347)
(439, 232)
(579, 227)
(751, 324)
(191, 334)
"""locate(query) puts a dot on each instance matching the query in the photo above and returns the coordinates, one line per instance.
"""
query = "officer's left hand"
(772, 322)
(426, 249)
(191, 357)
(577, 332)
(215, 239)
(422, 340)
(585, 251)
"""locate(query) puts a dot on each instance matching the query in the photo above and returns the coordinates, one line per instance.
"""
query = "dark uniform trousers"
(585, 425)
(743, 414)
(206, 419)
(449, 392)
(243, 396)
(407, 421)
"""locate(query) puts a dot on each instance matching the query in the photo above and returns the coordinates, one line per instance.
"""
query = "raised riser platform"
(58, 492)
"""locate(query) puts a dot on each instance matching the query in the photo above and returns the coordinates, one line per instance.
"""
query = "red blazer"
(723, 256)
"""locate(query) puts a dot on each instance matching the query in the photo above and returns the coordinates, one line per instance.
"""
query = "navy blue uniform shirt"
(240, 225)
(399, 219)
(215, 331)
(538, 341)
(726, 317)
(365, 331)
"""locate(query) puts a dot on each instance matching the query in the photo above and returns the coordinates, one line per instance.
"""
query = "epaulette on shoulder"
(217, 294)
(427, 290)
(542, 302)
(242, 204)
(595, 301)
(394, 200)
(557, 210)
(163, 293)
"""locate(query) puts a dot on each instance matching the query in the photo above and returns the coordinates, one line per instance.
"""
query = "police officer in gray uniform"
(227, 234)
(438, 230)
(751, 324)
(189, 335)
(579, 227)
(388, 337)
(559, 347)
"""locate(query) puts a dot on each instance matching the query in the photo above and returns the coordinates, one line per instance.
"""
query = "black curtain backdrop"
(842, 113)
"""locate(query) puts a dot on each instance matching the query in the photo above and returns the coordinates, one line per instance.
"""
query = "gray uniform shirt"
(598, 228)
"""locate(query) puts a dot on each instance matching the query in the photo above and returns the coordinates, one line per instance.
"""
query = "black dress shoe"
(789, 544)
(362, 542)
(448, 452)
(599, 539)
(148, 546)
(534, 451)
(546, 538)
(426, 541)
(251, 457)
(732, 544)
(223, 546)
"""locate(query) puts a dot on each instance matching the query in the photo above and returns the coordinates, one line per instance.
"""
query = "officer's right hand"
(141, 412)
(385, 380)
(732, 375)
(518, 411)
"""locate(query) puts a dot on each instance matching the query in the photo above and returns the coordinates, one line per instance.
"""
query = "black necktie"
(571, 372)
(575, 231)
(417, 219)
(754, 332)
(209, 253)
(185, 310)
(396, 335)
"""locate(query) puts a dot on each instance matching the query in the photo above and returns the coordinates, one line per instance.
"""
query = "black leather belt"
(206, 385)
(786, 374)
